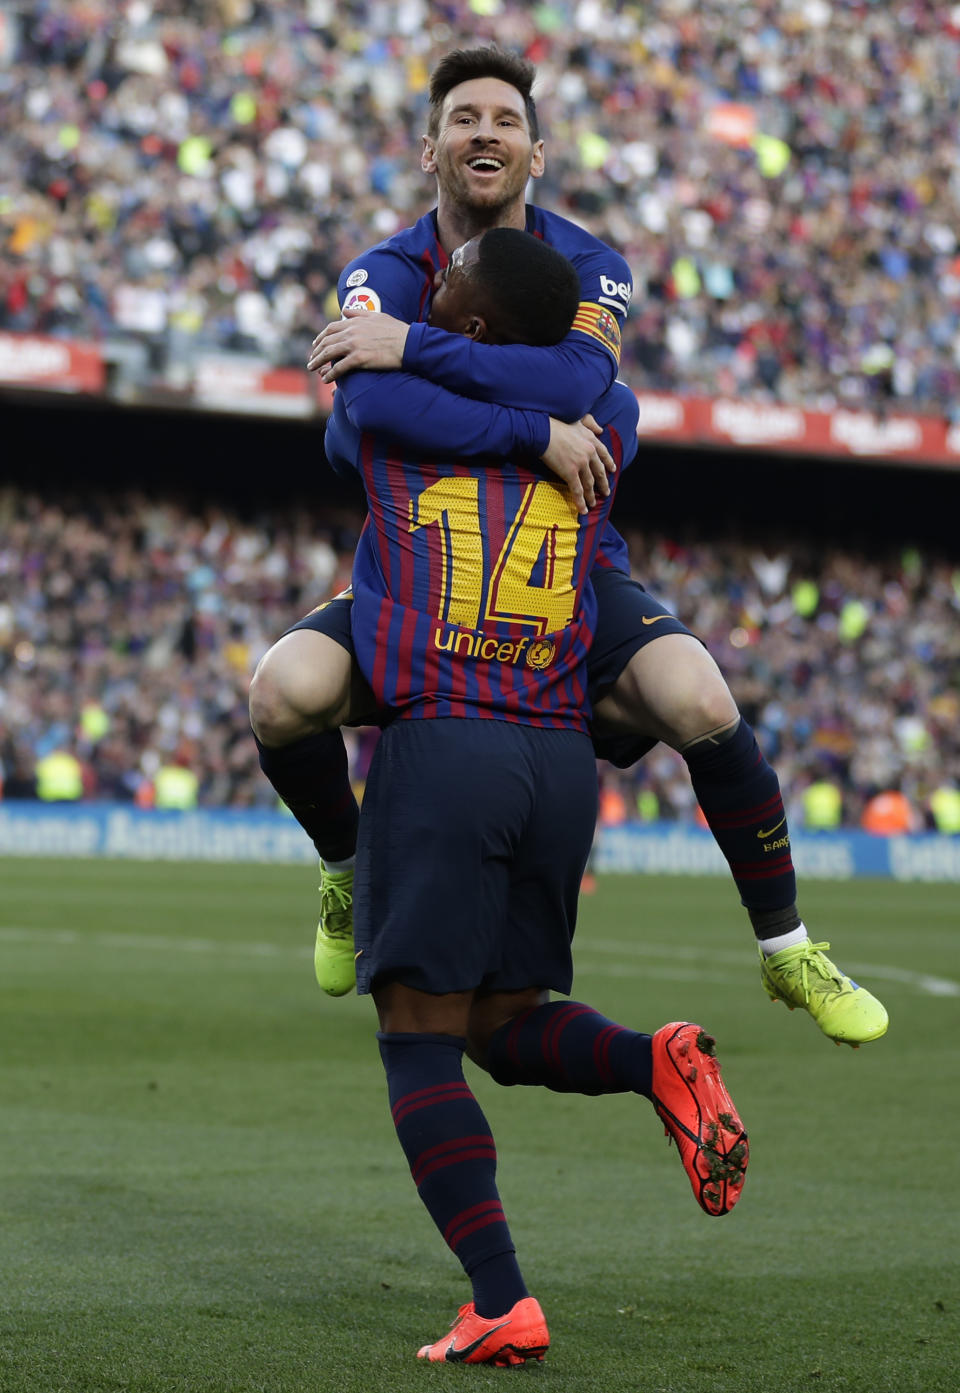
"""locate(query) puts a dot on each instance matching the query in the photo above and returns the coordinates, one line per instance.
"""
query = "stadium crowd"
(130, 626)
(783, 176)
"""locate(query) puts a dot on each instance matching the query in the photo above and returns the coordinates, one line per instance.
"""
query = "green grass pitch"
(200, 1187)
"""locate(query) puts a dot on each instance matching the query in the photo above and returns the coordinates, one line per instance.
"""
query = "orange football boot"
(504, 1341)
(698, 1114)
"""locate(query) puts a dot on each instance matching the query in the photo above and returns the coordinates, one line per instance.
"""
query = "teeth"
(485, 163)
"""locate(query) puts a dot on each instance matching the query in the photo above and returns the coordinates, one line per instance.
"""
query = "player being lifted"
(472, 617)
(650, 679)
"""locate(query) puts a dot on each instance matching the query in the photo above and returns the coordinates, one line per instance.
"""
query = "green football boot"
(333, 958)
(803, 976)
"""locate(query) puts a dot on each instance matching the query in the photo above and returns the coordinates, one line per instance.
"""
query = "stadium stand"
(130, 626)
(184, 178)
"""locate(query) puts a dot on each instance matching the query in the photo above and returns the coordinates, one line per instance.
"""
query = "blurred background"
(180, 185)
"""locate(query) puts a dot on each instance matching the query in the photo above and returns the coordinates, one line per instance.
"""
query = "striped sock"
(312, 777)
(739, 795)
(453, 1161)
(571, 1048)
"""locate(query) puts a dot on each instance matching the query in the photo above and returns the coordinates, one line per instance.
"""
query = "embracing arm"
(422, 416)
(564, 380)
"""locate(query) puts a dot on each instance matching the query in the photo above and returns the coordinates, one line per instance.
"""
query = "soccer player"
(472, 615)
(650, 678)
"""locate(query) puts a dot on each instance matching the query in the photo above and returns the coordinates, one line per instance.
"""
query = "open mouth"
(485, 164)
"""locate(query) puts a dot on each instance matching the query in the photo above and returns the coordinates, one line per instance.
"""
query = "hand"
(578, 456)
(359, 340)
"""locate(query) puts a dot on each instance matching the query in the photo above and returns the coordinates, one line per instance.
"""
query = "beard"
(484, 200)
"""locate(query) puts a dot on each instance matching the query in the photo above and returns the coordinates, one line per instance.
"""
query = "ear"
(476, 329)
(428, 155)
(537, 160)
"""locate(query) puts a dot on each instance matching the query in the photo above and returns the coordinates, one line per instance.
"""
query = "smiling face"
(482, 153)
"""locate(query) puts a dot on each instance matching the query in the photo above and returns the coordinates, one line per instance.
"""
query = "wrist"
(411, 346)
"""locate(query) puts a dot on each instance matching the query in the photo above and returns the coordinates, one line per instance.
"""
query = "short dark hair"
(466, 64)
(531, 290)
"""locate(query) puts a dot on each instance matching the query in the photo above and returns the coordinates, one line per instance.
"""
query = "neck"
(456, 225)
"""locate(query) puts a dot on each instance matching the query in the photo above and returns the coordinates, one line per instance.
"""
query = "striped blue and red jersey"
(504, 394)
(471, 592)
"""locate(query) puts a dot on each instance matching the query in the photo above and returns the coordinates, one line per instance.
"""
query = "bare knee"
(671, 690)
(301, 687)
(705, 708)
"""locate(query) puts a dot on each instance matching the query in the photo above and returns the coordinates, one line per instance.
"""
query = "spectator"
(176, 785)
(889, 814)
(945, 808)
(130, 626)
(180, 177)
(59, 777)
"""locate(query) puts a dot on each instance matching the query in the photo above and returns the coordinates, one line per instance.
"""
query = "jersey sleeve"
(564, 380)
(341, 441)
(424, 417)
(383, 279)
(422, 414)
(618, 413)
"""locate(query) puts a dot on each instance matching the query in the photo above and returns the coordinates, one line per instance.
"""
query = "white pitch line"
(922, 982)
(157, 942)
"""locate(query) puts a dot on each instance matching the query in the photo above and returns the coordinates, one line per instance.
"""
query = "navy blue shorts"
(628, 618)
(331, 618)
(474, 835)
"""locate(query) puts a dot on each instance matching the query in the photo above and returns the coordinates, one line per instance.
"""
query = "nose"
(438, 280)
(485, 129)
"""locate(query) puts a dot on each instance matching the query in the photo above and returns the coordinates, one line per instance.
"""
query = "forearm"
(563, 381)
(423, 416)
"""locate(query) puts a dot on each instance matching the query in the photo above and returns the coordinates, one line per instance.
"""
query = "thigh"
(345, 691)
(672, 690)
(473, 839)
(306, 683)
(548, 867)
(628, 620)
(443, 810)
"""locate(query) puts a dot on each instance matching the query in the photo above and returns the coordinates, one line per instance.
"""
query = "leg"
(669, 688)
(569, 1047)
(674, 689)
(447, 1141)
(304, 688)
(520, 1036)
(651, 680)
(436, 904)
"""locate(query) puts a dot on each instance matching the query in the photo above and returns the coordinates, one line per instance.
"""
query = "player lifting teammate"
(472, 617)
(649, 678)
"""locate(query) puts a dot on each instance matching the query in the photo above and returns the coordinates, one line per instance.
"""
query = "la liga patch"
(362, 300)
